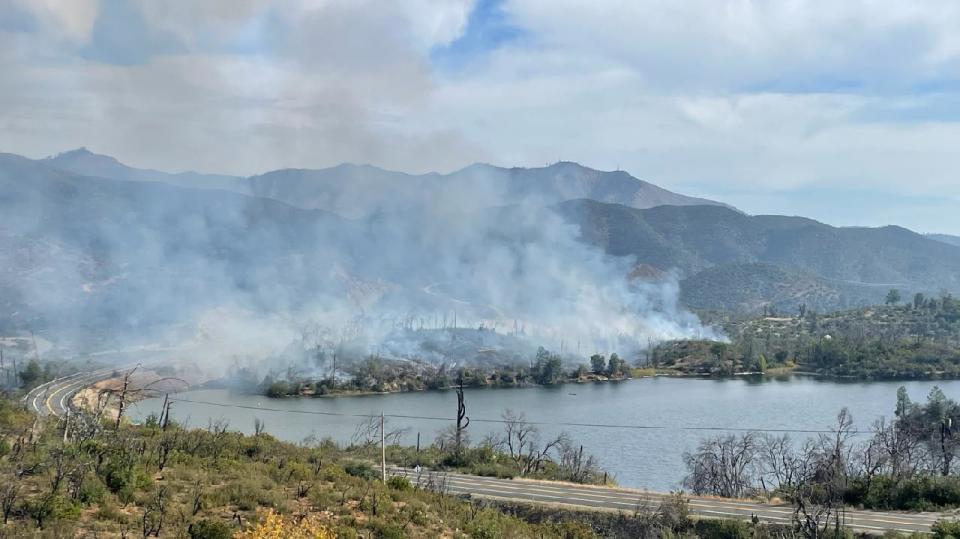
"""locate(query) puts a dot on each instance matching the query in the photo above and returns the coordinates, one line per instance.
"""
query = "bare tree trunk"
(462, 420)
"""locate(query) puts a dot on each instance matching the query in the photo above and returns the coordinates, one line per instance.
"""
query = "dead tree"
(462, 420)
(196, 497)
(8, 499)
(128, 392)
(522, 442)
(154, 513)
(368, 434)
(723, 466)
(818, 495)
(122, 394)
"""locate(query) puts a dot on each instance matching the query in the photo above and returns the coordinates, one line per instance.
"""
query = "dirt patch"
(103, 397)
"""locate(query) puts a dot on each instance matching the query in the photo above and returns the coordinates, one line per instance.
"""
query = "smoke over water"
(250, 280)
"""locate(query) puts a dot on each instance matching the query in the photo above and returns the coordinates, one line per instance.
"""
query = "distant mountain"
(946, 238)
(358, 190)
(83, 251)
(85, 238)
(354, 190)
(693, 239)
(84, 162)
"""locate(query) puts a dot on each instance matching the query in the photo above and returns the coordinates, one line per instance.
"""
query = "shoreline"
(779, 373)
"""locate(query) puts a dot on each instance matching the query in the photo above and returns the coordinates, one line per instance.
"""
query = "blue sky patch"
(488, 28)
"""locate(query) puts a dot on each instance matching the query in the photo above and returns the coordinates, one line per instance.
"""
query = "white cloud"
(714, 97)
(729, 44)
(66, 19)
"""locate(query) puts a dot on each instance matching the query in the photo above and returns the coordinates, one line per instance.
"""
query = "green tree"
(762, 363)
(903, 402)
(598, 363)
(581, 371)
(893, 296)
(616, 366)
(548, 368)
(32, 374)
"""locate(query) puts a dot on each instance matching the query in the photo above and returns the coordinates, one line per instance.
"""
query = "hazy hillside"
(90, 251)
(358, 190)
(695, 238)
(87, 163)
(77, 249)
(946, 238)
(87, 252)
(752, 287)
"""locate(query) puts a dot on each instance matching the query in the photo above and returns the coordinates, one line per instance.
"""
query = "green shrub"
(946, 529)
(346, 532)
(91, 491)
(108, 512)
(486, 524)
(416, 511)
(723, 529)
(400, 483)
(210, 529)
(914, 494)
(124, 479)
(386, 530)
(360, 469)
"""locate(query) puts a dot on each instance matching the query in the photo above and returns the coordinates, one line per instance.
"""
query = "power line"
(503, 421)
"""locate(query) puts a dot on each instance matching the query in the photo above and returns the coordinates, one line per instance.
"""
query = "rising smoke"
(243, 278)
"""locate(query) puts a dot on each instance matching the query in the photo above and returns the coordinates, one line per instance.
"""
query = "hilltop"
(358, 190)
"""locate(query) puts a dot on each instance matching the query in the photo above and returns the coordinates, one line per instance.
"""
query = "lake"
(611, 419)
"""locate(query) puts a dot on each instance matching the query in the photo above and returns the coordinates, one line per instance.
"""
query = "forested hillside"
(915, 337)
(768, 260)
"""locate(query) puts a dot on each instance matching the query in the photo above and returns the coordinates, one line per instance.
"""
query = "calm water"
(646, 458)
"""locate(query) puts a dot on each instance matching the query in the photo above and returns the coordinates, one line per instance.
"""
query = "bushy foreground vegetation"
(907, 464)
(920, 339)
(85, 478)
(164, 481)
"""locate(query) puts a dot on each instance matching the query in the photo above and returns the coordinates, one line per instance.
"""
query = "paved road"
(629, 500)
(53, 397)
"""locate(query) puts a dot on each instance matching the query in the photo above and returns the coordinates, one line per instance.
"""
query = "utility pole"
(36, 349)
(383, 450)
(66, 426)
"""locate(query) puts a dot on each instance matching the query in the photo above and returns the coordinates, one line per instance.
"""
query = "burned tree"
(127, 392)
(462, 420)
(522, 442)
(723, 466)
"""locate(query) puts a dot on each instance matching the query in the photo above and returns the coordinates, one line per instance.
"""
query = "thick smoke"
(237, 278)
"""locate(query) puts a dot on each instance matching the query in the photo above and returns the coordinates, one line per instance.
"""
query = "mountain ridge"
(693, 239)
(112, 239)
(355, 190)
(946, 238)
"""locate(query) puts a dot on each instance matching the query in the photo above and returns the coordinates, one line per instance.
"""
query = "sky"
(847, 112)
